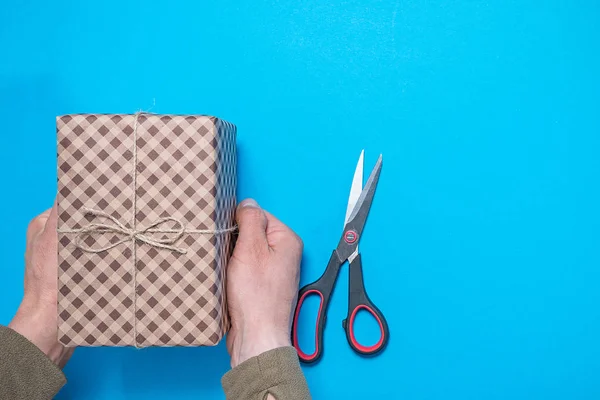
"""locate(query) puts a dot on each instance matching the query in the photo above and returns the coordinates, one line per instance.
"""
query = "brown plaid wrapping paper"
(135, 293)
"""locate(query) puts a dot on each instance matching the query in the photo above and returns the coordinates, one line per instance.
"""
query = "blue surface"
(483, 244)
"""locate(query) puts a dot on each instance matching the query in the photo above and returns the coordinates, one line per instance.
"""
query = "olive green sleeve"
(26, 372)
(276, 372)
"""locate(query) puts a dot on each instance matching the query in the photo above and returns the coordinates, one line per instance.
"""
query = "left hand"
(37, 316)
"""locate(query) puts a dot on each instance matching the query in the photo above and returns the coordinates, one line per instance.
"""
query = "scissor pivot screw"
(350, 236)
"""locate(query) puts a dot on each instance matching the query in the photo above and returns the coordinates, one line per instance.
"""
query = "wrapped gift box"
(146, 209)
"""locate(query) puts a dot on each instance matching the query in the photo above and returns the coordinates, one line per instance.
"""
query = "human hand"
(262, 283)
(36, 318)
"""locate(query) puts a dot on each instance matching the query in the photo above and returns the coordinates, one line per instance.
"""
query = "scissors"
(359, 204)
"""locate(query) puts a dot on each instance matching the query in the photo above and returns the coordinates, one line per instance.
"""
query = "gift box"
(146, 209)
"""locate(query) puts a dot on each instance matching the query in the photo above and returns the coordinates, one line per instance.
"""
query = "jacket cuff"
(25, 371)
(275, 371)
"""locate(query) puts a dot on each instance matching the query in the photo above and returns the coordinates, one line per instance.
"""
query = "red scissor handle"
(323, 288)
(308, 358)
(359, 300)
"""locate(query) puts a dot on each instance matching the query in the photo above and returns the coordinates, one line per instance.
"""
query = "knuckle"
(42, 244)
(294, 241)
(35, 225)
(299, 242)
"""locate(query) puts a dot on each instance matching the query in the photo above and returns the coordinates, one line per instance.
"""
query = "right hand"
(262, 283)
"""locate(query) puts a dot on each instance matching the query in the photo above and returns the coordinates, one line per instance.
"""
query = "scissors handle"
(323, 287)
(359, 300)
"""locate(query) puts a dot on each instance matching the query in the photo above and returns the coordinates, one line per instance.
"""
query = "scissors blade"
(347, 248)
(359, 214)
(356, 188)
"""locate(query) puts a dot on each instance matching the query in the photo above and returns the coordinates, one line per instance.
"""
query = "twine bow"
(143, 234)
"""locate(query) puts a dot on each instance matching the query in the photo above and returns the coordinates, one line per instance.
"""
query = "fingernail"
(249, 203)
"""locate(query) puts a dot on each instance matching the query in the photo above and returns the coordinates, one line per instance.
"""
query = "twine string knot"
(152, 234)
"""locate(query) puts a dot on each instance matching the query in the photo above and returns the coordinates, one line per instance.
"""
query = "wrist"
(36, 328)
(255, 343)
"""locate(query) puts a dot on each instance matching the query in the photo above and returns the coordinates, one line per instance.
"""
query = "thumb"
(51, 222)
(252, 223)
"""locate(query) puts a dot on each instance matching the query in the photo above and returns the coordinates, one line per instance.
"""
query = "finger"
(279, 233)
(49, 232)
(252, 223)
(37, 224)
(274, 224)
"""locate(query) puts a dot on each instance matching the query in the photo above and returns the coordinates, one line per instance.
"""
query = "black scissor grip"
(359, 300)
(323, 287)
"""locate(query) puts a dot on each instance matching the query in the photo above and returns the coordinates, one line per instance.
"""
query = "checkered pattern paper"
(139, 169)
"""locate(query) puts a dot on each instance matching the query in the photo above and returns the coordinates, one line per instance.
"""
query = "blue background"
(482, 244)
